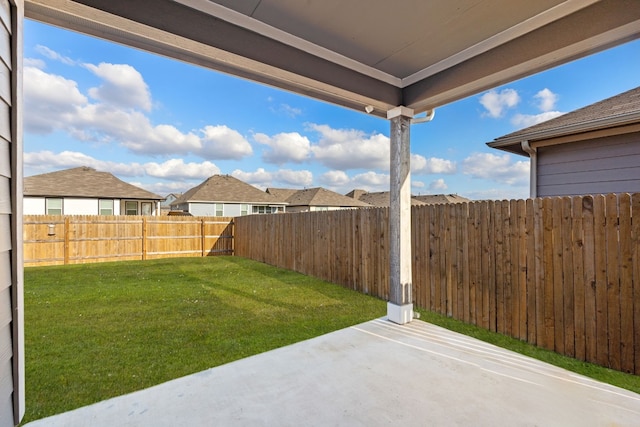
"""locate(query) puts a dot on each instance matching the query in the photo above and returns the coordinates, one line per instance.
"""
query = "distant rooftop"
(83, 182)
(226, 189)
(316, 197)
(383, 198)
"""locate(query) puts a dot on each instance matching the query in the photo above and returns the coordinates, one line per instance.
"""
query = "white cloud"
(286, 110)
(497, 103)
(546, 99)
(284, 177)
(284, 147)
(122, 86)
(50, 101)
(35, 63)
(53, 103)
(342, 183)
(526, 120)
(173, 169)
(179, 170)
(350, 148)
(334, 179)
(302, 178)
(260, 178)
(165, 188)
(499, 168)
(431, 165)
(417, 184)
(438, 185)
(51, 54)
(372, 181)
(221, 142)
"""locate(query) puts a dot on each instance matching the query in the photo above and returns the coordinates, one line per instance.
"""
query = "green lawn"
(100, 330)
(96, 331)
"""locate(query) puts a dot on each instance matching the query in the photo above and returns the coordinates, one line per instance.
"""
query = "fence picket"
(579, 285)
(600, 265)
(613, 280)
(626, 285)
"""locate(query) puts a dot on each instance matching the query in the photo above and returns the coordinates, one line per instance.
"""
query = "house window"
(131, 208)
(105, 207)
(145, 208)
(244, 210)
(266, 209)
(219, 207)
(53, 206)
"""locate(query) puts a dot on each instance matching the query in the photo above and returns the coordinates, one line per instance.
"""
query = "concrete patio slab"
(373, 374)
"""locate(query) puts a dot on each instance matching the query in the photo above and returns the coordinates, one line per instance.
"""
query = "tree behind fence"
(560, 273)
(55, 239)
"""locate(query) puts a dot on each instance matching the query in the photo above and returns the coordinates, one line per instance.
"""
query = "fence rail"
(54, 239)
(560, 273)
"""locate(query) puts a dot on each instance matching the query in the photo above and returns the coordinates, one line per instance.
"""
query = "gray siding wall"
(11, 308)
(605, 165)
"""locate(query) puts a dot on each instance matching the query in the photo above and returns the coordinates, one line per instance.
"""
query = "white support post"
(400, 305)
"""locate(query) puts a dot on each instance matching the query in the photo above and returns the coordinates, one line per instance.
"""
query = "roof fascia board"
(311, 76)
(592, 125)
(599, 133)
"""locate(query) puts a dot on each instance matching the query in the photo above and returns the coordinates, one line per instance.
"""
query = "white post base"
(399, 314)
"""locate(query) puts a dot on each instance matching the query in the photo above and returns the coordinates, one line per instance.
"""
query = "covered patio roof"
(369, 55)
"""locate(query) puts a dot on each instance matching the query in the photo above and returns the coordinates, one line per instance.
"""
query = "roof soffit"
(419, 54)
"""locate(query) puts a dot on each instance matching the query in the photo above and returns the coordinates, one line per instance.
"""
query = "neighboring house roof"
(619, 110)
(83, 182)
(226, 189)
(281, 193)
(378, 199)
(170, 198)
(320, 197)
(383, 198)
(433, 199)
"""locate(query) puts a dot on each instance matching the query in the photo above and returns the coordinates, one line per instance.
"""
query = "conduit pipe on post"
(400, 304)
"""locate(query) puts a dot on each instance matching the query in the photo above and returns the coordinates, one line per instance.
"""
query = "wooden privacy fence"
(560, 273)
(55, 239)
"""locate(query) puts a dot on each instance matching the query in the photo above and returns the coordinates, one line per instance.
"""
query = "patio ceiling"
(360, 53)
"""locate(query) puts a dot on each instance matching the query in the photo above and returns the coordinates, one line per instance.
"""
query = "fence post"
(203, 238)
(144, 238)
(233, 237)
(66, 240)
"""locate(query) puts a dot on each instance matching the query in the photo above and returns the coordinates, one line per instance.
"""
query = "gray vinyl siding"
(202, 209)
(600, 166)
(11, 276)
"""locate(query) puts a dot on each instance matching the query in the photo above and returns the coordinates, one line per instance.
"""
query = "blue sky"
(166, 126)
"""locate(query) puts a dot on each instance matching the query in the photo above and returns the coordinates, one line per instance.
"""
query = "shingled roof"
(619, 110)
(281, 193)
(226, 189)
(383, 198)
(83, 182)
(379, 199)
(318, 197)
(434, 199)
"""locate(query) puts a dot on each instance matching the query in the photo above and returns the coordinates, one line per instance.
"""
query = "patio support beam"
(400, 304)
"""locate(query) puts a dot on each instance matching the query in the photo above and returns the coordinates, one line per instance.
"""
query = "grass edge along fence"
(56, 239)
(561, 273)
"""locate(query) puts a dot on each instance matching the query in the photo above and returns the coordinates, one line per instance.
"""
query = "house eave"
(514, 144)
